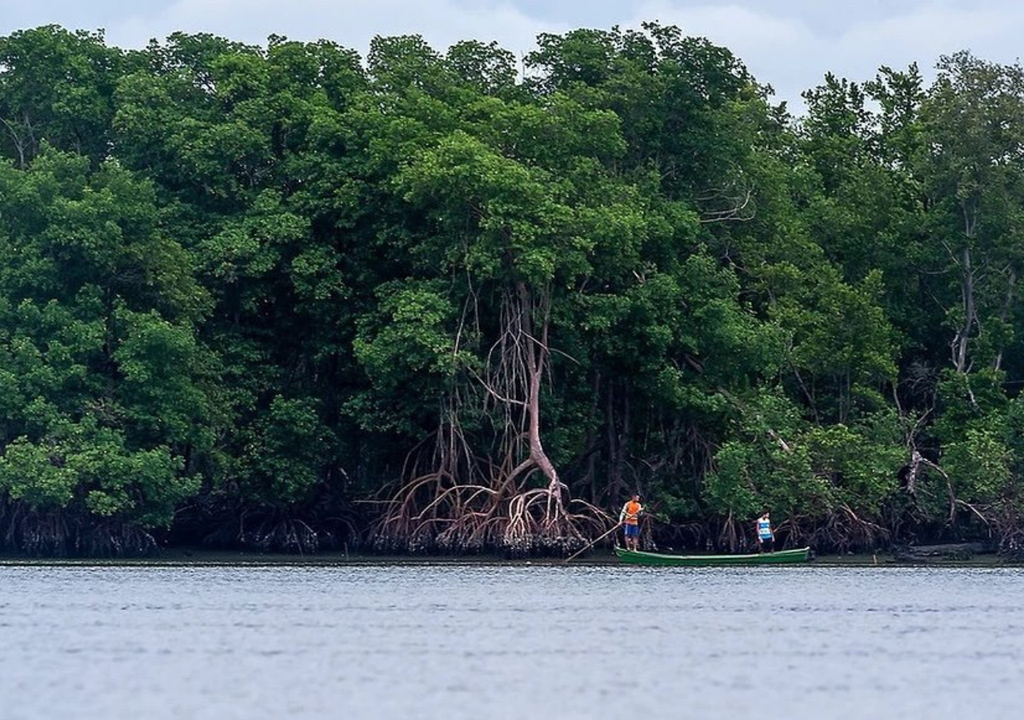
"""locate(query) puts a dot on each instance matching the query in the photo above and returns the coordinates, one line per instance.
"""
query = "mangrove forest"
(290, 298)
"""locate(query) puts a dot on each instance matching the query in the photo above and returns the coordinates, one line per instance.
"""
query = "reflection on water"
(456, 641)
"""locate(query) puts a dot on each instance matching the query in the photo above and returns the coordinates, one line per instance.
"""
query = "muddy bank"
(200, 557)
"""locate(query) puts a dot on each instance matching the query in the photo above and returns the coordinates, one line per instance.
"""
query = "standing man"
(764, 533)
(629, 518)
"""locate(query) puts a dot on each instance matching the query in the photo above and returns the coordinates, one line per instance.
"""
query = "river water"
(513, 641)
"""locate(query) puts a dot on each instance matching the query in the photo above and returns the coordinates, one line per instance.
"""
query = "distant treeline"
(289, 298)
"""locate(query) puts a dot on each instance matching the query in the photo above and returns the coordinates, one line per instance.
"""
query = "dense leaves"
(284, 298)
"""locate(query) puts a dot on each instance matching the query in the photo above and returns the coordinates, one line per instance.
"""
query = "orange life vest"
(632, 512)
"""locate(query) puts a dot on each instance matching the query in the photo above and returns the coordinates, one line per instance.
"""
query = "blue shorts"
(632, 530)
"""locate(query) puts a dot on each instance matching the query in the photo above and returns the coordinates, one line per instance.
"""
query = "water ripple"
(463, 641)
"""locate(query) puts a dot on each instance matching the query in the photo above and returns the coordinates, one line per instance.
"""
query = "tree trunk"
(536, 364)
(970, 318)
(1004, 313)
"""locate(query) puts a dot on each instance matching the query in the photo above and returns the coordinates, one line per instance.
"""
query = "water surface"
(488, 641)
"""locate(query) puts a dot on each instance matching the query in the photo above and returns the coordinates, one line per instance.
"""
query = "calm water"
(510, 642)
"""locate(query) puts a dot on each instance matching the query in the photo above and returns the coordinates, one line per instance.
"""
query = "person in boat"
(629, 518)
(765, 536)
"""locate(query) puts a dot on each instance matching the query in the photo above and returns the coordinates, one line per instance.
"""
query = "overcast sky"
(789, 44)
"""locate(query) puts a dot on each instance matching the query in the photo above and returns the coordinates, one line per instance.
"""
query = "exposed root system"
(57, 534)
(435, 514)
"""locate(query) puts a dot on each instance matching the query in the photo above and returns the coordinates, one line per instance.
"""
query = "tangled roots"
(430, 516)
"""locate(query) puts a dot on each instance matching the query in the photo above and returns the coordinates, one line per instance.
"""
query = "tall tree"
(56, 87)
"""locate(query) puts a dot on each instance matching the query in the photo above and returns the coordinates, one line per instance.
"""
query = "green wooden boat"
(637, 557)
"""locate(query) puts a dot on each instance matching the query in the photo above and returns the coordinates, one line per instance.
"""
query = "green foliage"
(860, 463)
(979, 463)
(97, 354)
(803, 471)
(57, 85)
(256, 279)
(28, 472)
(85, 467)
(287, 452)
(408, 352)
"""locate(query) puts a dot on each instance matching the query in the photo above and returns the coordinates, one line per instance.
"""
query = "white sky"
(789, 44)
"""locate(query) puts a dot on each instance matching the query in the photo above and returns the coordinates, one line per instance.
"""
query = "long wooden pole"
(595, 542)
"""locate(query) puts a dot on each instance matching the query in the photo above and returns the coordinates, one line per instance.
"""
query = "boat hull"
(636, 557)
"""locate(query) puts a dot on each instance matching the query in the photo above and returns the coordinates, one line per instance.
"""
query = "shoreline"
(220, 558)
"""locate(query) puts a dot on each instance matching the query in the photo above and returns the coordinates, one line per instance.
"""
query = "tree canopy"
(287, 298)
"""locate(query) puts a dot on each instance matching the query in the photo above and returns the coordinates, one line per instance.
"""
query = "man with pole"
(629, 518)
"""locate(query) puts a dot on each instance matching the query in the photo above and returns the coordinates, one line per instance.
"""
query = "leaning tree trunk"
(470, 501)
(539, 518)
(537, 354)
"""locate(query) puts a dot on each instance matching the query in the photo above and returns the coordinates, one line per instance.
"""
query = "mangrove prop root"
(56, 534)
(501, 517)
(469, 503)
